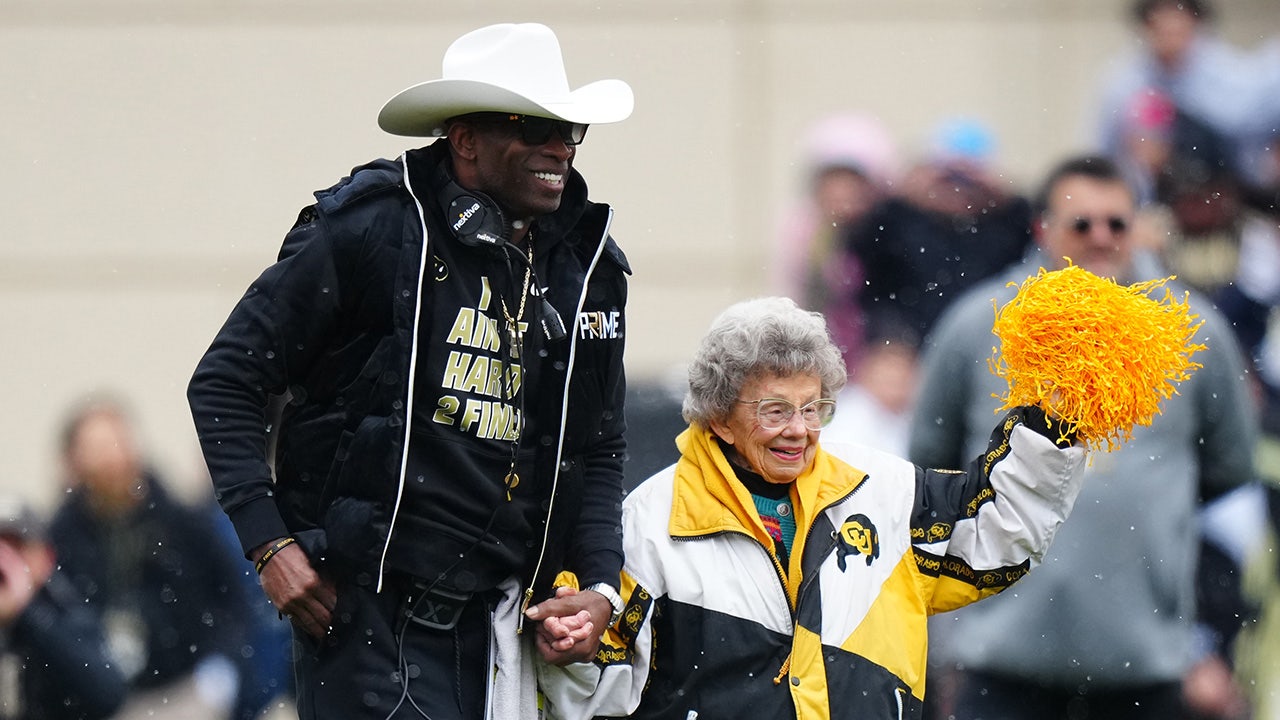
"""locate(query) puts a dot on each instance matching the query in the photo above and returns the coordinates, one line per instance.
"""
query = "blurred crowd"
(128, 602)
(906, 253)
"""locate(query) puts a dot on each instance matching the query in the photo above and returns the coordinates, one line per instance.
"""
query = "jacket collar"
(708, 498)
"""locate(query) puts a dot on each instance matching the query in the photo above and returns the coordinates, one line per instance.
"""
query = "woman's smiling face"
(781, 454)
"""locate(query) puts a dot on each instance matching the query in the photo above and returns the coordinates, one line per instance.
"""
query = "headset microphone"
(548, 319)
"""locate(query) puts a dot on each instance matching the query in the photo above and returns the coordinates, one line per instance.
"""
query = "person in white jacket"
(768, 575)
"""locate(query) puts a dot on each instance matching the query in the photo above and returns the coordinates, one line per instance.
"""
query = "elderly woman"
(770, 576)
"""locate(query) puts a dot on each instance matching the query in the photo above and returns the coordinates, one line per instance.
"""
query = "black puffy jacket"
(332, 328)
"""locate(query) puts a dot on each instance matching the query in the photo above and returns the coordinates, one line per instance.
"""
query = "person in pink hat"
(414, 417)
(851, 166)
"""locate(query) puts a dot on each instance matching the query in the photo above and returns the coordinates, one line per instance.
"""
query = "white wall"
(155, 154)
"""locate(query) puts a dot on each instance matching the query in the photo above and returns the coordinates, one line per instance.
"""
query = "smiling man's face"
(525, 180)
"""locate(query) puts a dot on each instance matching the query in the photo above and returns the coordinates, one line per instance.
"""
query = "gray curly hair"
(770, 335)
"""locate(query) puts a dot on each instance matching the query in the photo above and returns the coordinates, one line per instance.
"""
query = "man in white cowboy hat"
(414, 418)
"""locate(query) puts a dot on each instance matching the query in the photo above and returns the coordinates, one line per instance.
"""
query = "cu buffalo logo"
(858, 536)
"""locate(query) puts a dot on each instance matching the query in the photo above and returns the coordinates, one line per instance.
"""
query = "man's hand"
(1211, 691)
(567, 628)
(298, 591)
(18, 583)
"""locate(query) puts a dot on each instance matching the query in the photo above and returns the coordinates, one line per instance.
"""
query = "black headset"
(475, 219)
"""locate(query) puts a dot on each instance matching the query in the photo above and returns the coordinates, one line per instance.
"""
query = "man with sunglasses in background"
(414, 418)
(1105, 627)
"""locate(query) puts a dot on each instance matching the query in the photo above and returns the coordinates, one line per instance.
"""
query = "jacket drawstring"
(782, 672)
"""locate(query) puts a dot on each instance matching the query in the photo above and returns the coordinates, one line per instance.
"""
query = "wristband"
(271, 552)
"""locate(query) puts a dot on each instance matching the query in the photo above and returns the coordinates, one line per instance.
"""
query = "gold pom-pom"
(1096, 355)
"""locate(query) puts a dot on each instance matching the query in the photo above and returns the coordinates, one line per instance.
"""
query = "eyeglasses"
(537, 130)
(1116, 224)
(773, 413)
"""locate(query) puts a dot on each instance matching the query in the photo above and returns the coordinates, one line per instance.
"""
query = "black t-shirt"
(466, 512)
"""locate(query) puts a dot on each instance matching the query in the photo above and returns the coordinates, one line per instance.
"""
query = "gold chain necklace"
(514, 334)
(514, 339)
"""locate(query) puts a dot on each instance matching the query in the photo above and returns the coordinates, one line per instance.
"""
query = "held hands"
(297, 590)
(567, 628)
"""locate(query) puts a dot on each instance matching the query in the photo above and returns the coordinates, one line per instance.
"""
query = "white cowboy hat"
(514, 68)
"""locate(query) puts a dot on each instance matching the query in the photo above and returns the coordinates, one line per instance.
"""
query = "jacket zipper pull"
(524, 605)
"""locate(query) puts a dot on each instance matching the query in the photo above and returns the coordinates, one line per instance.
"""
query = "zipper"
(564, 419)
(780, 574)
(807, 582)
(412, 375)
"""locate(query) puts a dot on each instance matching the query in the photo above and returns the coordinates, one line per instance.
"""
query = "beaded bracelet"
(271, 552)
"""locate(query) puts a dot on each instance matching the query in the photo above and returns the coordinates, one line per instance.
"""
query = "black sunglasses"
(1116, 224)
(537, 130)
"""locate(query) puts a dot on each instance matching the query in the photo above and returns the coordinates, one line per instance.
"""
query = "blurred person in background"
(1203, 222)
(850, 167)
(1250, 300)
(1258, 645)
(53, 657)
(1209, 227)
(1206, 226)
(267, 679)
(1235, 92)
(1156, 136)
(1106, 627)
(145, 564)
(952, 222)
(1258, 661)
(1146, 142)
(875, 407)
